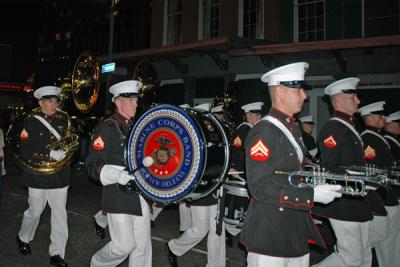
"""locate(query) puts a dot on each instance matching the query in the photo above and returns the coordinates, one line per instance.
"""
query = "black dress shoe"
(172, 258)
(58, 261)
(23, 247)
(100, 231)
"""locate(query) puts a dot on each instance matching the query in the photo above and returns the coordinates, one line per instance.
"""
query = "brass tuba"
(68, 143)
(85, 83)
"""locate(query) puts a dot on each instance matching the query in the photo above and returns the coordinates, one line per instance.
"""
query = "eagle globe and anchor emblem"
(173, 138)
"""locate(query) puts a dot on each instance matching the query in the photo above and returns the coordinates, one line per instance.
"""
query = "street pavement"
(84, 200)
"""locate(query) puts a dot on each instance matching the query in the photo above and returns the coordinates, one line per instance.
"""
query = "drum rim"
(226, 161)
(240, 191)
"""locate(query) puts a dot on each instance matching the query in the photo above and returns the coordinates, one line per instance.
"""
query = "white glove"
(112, 174)
(326, 193)
(57, 154)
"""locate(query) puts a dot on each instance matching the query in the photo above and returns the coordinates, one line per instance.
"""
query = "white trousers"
(101, 219)
(258, 260)
(388, 251)
(185, 217)
(203, 222)
(156, 211)
(37, 199)
(130, 236)
(378, 230)
(353, 248)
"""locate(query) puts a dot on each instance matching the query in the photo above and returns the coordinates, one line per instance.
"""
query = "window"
(381, 19)
(173, 22)
(251, 19)
(209, 19)
(310, 20)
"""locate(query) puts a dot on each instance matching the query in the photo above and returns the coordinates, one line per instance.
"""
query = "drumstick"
(235, 172)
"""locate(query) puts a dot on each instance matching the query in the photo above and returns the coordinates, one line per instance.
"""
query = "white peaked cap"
(205, 106)
(286, 73)
(307, 119)
(341, 85)
(393, 117)
(126, 87)
(217, 109)
(377, 106)
(184, 106)
(46, 91)
(252, 106)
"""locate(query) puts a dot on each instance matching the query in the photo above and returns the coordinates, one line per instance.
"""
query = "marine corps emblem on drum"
(190, 162)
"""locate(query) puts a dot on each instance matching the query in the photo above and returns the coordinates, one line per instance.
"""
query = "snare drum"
(190, 151)
(236, 203)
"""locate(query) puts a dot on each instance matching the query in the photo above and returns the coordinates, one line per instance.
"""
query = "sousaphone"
(85, 83)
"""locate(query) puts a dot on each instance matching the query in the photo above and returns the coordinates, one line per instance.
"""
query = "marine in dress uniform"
(392, 133)
(341, 145)
(128, 213)
(252, 113)
(384, 230)
(307, 127)
(278, 224)
(204, 213)
(45, 188)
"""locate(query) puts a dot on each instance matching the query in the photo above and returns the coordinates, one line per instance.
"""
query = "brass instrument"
(66, 93)
(68, 143)
(229, 103)
(85, 83)
(84, 91)
(147, 74)
(374, 174)
(351, 185)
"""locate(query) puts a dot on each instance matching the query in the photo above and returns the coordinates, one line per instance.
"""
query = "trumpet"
(374, 174)
(350, 185)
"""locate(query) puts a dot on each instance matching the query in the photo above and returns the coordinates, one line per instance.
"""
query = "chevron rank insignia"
(260, 151)
(98, 144)
(24, 135)
(237, 142)
(369, 153)
(330, 142)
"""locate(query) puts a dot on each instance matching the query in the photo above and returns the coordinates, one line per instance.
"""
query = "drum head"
(171, 137)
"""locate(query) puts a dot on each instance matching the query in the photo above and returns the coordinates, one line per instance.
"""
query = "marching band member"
(384, 231)
(341, 145)
(392, 133)
(38, 132)
(128, 213)
(252, 113)
(307, 127)
(278, 224)
(204, 213)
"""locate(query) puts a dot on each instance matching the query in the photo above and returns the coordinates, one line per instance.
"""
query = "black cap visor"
(49, 97)
(128, 95)
(296, 84)
(349, 91)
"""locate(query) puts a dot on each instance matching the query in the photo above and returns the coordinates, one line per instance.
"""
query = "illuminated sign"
(109, 67)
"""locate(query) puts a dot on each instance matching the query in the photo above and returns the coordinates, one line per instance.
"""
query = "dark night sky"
(19, 26)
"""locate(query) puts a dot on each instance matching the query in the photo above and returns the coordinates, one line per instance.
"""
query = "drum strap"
(48, 126)
(288, 134)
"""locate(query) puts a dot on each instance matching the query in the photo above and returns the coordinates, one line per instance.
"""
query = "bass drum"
(190, 151)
